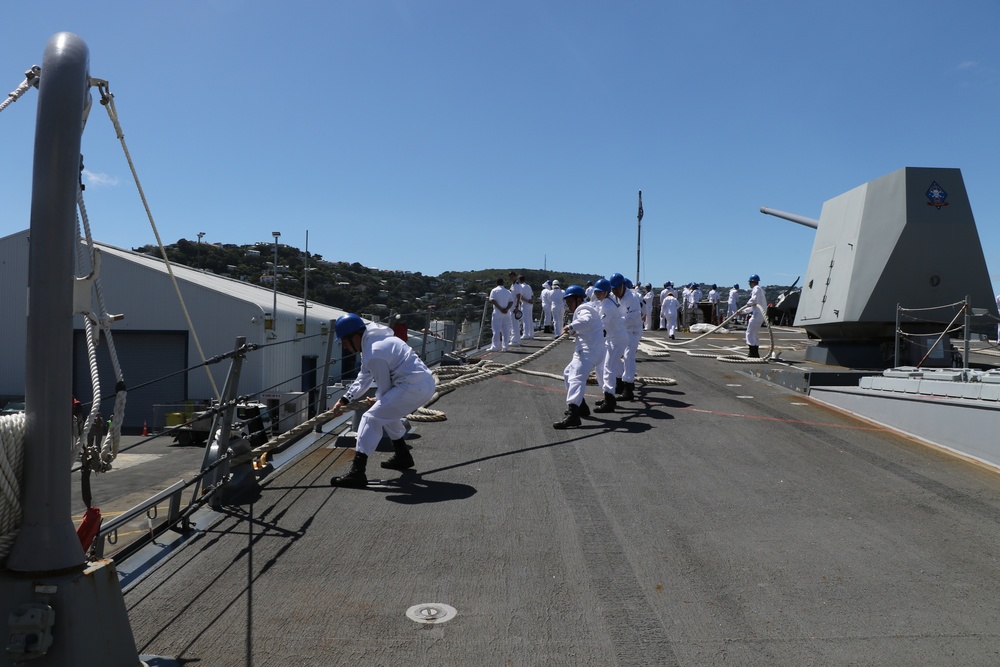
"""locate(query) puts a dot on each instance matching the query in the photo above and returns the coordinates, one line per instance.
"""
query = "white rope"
(12, 429)
(729, 358)
(99, 461)
(108, 100)
(30, 80)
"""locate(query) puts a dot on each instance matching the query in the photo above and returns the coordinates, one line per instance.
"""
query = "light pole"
(198, 254)
(274, 281)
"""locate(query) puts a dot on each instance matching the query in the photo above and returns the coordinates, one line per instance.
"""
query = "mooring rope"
(12, 430)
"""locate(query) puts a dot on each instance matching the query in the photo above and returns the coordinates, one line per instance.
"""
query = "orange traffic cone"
(145, 431)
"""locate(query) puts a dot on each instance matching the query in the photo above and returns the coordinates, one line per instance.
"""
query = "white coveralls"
(633, 334)
(588, 329)
(663, 315)
(546, 305)
(527, 311)
(734, 304)
(647, 310)
(713, 298)
(402, 385)
(610, 367)
(500, 323)
(668, 311)
(558, 308)
(515, 324)
(757, 298)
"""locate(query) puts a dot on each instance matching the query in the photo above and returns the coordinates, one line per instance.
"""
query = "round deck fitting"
(431, 612)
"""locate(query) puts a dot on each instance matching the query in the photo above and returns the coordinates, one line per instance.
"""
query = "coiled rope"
(12, 431)
(771, 355)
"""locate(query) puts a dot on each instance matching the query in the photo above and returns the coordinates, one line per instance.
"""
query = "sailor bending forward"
(402, 385)
(586, 326)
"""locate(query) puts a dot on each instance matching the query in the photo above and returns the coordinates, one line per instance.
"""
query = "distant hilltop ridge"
(361, 289)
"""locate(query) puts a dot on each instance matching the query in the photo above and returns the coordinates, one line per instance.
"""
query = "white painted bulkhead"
(221, 309)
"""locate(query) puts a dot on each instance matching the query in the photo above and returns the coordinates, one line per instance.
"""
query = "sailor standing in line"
(547, 306)
(503, 302)
(647, 307)
(756, 308)
(527, 308)
(587, 328)
(685, 297)
(667, 287)
(589, 289)
(668, 312)
(558, 306)
(514, 320)
(402, 385)
(733, 303)
(609, 367)
(713, 298)
(633, 334)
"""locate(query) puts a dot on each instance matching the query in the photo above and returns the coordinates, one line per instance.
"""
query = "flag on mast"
(640, 205)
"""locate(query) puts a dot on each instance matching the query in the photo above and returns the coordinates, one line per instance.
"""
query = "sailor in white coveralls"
(527, 321)
(756, 308)
(503, 303)
(546, 298)
(402, 385)
(588, 330)
(733, 303)
(558, 306)
(610, 368)
(668, 312)
(633, 334)
(667, 287)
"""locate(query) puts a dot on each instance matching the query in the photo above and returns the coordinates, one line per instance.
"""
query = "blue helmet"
(736, 286)
(754, 278)
(348, 324)
(628, 284)
(602, 285)
(575, 290)
(617, 280)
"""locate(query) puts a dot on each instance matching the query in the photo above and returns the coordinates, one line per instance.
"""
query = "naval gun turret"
(907, 238)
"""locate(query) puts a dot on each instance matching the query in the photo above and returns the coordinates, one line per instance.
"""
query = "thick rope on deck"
(12, 430)
(771, 355)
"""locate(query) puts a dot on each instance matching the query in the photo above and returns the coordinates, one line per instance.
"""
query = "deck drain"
(431, 612)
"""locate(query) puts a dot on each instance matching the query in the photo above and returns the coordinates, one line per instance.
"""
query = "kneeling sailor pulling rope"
(403, 384)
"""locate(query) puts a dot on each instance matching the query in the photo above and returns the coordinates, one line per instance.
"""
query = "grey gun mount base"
(906, 239)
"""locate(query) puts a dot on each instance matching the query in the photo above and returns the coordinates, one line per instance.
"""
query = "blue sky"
(445, 135)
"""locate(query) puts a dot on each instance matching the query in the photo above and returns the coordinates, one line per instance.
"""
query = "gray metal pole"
(968, 324)
(47, 541)
(330, 337)
(895, 359)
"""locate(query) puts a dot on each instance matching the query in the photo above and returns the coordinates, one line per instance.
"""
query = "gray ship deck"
(722, 521)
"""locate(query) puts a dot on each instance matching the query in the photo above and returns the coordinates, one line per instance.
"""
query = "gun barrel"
(791, 217)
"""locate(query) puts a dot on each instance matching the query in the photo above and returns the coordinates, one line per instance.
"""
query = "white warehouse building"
(153, 341)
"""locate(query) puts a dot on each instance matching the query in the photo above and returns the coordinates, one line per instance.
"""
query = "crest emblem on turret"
(936, 196)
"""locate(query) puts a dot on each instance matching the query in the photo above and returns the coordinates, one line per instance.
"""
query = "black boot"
(607, 405)
(571, 419)
(628, 393)
(584, 408)
(619, 386)
(754, 351)
(356, 478)
(401, 459)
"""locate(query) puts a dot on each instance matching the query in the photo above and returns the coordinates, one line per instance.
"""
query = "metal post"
(968, 324)
(76, 617)
(47, 541)
(305, 289)
(895, 360)
(427, 332)
(331, 334)
(274, 284)
(638, 241)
